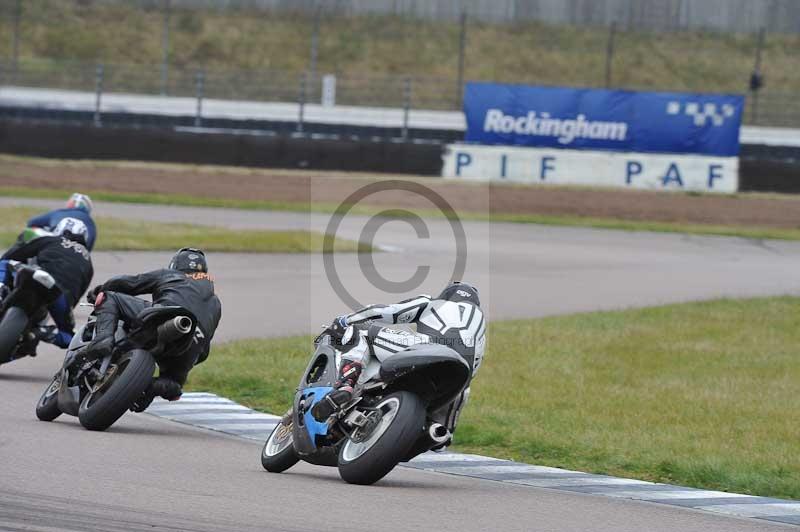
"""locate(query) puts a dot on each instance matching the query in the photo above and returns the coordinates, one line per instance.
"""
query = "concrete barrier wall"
(80, 141)
(762, 168)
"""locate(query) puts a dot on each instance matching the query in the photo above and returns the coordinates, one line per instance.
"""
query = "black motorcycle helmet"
(460, 291)
(189, 260)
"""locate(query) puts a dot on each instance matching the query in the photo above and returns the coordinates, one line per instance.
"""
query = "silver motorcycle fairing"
(69, 397)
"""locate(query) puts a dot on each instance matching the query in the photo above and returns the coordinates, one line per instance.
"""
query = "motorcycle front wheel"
(394, 425)
(47, 407)
(278, 453)
(125, 381)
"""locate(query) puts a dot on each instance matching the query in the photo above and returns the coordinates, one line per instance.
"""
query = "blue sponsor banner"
(599, 119)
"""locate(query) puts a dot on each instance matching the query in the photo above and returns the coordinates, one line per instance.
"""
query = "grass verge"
(700, 394)
(762, 232)
(278, 40)
(129, 235)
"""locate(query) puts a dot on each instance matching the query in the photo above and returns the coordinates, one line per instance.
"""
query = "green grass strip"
(760, 233)
(134, 235)
(700, 394)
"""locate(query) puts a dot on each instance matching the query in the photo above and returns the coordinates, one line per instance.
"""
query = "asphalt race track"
(522, 270)
(150, 474)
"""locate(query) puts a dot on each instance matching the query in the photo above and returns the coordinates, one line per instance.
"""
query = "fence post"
(756, 79)
(406, 105)
(98, 93)
(462, 52)
(16, 37)
(167, 9)
(612, 32)
(199, 86)
(302, 102)
(328, 97)
(312, 67)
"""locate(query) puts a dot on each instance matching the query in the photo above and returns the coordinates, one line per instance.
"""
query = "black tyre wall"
(13, 324)
(393, 445)
(122, 393)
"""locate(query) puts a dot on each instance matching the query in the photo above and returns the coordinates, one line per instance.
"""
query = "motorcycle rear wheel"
(102, 407)
(278, 453)
(47, 407)
(12, 326)
(365, 459)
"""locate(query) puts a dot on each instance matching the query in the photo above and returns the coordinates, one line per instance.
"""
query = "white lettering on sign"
(543, 125)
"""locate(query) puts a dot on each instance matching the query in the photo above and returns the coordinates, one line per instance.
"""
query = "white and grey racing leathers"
(459, 325)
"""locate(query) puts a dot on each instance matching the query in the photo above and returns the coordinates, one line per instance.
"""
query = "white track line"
(189, 410)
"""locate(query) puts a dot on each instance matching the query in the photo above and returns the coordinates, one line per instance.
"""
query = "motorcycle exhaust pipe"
(174, 328)
(438, 433)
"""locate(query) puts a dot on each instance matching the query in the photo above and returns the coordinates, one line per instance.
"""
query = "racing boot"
(102, 344)
(27, 346)
(341, 394)
(167, 388)
(51, 335)
(45, 333)
(160, 387)
(30, 341)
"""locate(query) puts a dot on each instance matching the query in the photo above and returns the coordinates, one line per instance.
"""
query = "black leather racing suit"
(68, 262)
(192, 291)
(70, 265)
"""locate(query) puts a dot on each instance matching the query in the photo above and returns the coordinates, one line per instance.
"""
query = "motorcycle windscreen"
(82, 337)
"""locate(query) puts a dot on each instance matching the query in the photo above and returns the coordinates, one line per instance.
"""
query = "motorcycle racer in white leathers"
(453, 319)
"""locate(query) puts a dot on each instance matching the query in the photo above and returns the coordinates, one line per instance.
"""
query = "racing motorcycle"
(388, 421)
(24, 306)
(100, 391)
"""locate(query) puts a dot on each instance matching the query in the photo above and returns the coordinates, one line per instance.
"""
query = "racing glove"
(337, 329)
(91, 295)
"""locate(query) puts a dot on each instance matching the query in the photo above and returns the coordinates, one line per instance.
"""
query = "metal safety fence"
(337, 54)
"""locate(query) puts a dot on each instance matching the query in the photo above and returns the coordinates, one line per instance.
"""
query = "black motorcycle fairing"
(324, 456)
(436, 373)
(73, 380)
(69, 397)
(81, 338)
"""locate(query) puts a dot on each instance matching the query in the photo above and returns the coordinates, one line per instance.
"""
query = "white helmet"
(80, 201)
(72, 229)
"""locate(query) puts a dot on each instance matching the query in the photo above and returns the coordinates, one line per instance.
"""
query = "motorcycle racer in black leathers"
(453, 319)
(185, 283)
(63, 254)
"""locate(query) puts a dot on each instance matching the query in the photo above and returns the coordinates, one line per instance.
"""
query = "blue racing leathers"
(50, 220)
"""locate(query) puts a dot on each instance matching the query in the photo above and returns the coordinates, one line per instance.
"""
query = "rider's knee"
(354, 344)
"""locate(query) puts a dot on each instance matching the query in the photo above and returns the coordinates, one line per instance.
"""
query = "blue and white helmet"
(72, 229)
(80, 201)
